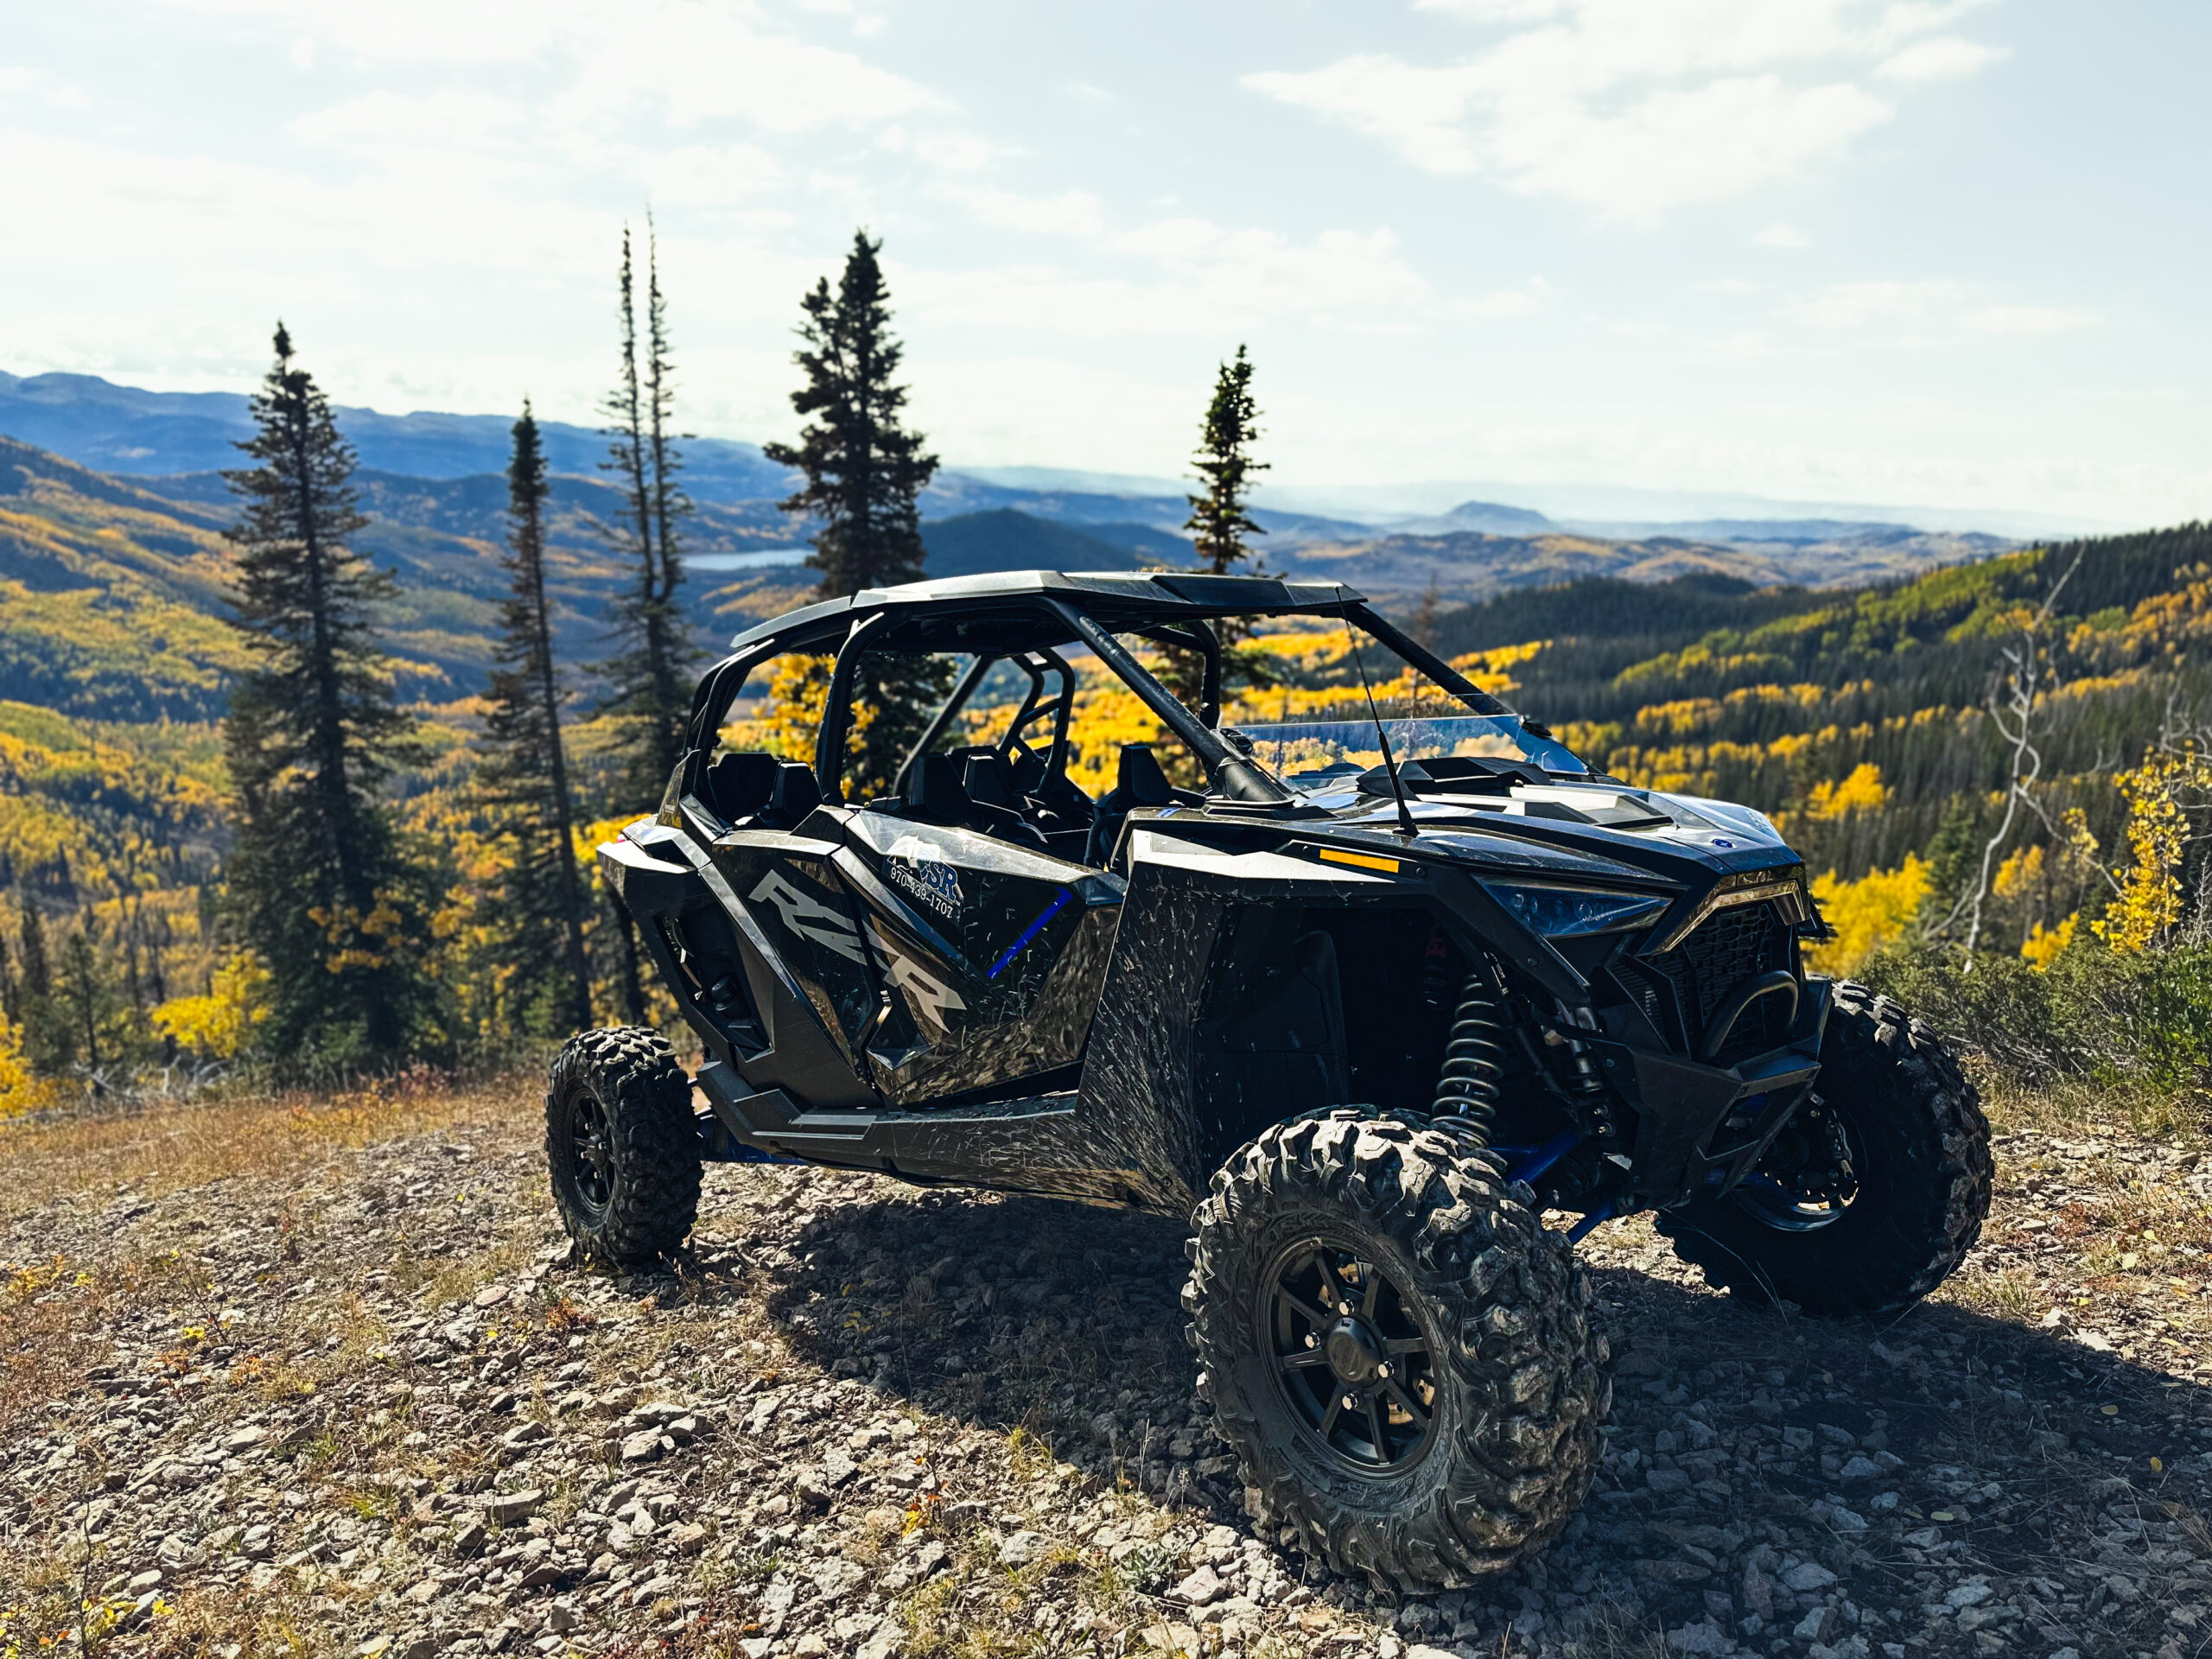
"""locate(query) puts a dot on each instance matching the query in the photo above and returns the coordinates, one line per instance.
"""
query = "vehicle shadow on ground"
(1940, 1442)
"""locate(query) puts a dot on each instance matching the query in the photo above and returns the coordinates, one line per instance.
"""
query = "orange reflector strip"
(1365, 860)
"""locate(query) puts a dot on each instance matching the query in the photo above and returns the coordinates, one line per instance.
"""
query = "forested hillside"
(1859, 717)
(1862, 718)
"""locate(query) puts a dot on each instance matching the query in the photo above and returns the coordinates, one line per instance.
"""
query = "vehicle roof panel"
(997, 612)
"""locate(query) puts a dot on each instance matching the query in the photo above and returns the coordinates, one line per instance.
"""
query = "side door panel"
(791, 889)
(995, 954)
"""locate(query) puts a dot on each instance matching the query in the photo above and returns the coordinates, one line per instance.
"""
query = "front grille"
(1727, 949)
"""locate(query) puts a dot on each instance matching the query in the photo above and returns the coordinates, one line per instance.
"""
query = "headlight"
(1557, 913)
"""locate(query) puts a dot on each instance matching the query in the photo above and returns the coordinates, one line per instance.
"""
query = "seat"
(1138, 781)
(796, 794)
(990, 781)
(739, 785)
(939, 796)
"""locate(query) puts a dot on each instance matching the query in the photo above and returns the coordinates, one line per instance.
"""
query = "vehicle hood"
(1573, 831)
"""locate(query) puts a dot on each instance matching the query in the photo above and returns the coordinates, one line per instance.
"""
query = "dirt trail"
(366, 1407)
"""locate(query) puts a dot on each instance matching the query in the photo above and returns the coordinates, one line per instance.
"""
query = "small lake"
(752, 559)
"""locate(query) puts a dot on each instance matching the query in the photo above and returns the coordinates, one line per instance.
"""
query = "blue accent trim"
(1588, 1224)
(1031, 931)
(1542, 1158)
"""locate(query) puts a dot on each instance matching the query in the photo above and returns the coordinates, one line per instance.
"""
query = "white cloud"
(1779, 235)
(1947, 58)
(16, 80)
(1179, 275)
(1636, 107)
(693, 60)
(1922, 310)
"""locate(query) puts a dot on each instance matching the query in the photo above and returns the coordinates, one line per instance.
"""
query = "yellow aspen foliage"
(216, 1027)
(2020, 875)
(20, 1091)
(2148, 905)
(2043, 945)
(1862, 790)
(1866, 914)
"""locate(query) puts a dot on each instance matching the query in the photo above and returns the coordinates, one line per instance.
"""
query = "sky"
(1921, 252)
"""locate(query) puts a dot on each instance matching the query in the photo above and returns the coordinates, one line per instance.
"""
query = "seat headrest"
(938, 792)
(739, 785)
(797, 793)
(1141, 781)
(990, 780)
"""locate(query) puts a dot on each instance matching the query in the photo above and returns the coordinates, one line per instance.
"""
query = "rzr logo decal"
(809, 918)
(930, 997)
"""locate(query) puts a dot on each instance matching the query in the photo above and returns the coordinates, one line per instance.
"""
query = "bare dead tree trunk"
(2013, 697)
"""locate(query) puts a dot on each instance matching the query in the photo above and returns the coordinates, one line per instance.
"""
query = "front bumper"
(1700, 1128)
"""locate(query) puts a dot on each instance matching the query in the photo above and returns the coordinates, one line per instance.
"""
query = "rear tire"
(1919, 1146)
(622, 1146)
(1485, 1437)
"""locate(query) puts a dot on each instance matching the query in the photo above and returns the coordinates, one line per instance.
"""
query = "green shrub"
(2135, 1022)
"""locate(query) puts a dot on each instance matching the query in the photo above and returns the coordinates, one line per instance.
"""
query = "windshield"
(1314, 725)
(1306, 753)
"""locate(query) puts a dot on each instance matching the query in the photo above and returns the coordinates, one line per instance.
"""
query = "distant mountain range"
(432, 485)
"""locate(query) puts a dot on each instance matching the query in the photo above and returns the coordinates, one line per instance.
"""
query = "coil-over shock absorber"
(1474, 1054)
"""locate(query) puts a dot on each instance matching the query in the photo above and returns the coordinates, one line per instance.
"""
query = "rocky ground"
(359, 1401)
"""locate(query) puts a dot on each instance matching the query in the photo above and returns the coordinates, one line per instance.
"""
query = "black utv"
(1401, 976)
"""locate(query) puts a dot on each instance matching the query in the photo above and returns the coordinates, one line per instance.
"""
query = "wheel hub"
(1350, 1356)
(591, 1157)
(1355, 1352)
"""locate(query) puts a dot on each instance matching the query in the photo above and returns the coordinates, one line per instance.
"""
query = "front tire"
(1440, 1421)
(622, 1146)
(1915, 1159)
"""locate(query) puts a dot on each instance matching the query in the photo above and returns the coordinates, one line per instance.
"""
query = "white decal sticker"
(809, 918)
(929, 997)
(917, 869)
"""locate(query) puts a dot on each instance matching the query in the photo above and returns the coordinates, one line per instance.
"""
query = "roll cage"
(1029, 619)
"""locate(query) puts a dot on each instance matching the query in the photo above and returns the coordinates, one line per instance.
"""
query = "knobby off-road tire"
(1516, 1362)
(622, 1145)
(1922, 1148)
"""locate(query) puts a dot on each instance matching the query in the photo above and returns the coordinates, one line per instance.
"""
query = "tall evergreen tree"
(48, 1044)
(1219, 523)
(864, 473)
(94, 1017)
(321, 889)
(38, 972)
(647, 687)
(536, 910)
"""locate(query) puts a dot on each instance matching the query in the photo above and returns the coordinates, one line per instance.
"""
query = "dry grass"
(162, 1148)
(2077, 1106)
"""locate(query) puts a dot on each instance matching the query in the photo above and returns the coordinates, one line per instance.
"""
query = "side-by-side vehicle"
(1383, 979)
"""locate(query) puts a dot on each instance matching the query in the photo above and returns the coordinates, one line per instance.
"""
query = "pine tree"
(1219, 523)
(320, 885)
(536, 912)
(647, 687)
(85, 1000)
(864, 474)
(48, 1043)
(38, 973)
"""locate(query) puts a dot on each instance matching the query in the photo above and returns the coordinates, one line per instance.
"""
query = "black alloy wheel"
(1353, 1361)
(621, 1145)
(591, 1160)
(1807, 1179)
(1402, 1355)
(1879, 1192)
